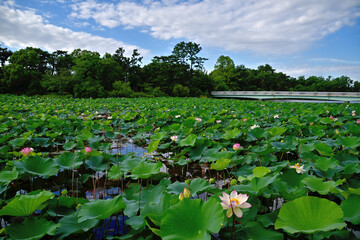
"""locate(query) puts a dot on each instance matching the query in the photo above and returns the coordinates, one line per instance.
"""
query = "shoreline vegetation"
(84, 73)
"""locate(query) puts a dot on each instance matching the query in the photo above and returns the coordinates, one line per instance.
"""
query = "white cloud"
(23, 28)
(262, 26)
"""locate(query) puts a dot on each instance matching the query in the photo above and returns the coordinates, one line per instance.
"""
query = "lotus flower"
(299, 169)
(276, 116)
(244, 120)
(27, 151)
(234, 203)
(177, 116)
(88, 149)
(174, 138)
(198, 119)
(254, 126)
(358, 121)
(218, 121)
(236, 146)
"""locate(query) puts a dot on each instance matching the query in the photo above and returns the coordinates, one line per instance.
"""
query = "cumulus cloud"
(262, 26)
(23, 28)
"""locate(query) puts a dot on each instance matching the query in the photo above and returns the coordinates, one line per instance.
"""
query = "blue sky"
(297, 37)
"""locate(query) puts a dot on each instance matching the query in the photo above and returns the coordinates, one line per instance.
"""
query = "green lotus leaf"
(324, 163)
(352, 142)
(63, 205)
(277, 131)
(255, 231)
(309, 215)
(17, 142)
(231, 134)
(32, 229)
(145, 170)
(96, 163)
(37, 166)
(25, 205)
(177, 187)
(220, 164)
(69, 145)
(153, 146)
(85, 135)
(109, 134)
(116, 172)
(152, 195)
(318, 185)
(43, 142)
(100, 209)
(188, 141)
(198, 220)
(158, 136)
(175, 127)
(69, 160)
(351, 208)
(256, 186)
(70, 225)
(257, 133)
(324, 149)
(260, 171)
(198, 185)
(7, 176)
(136, 222)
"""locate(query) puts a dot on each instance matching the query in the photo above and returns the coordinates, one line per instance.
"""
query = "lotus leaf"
(32, 229)
(188, 141)
(70, 225)
(100, 209)
(351, 208)
(309, 215)
(145, 170)
(25, 205)
(37, 166)
(194, 215)
(7, 176)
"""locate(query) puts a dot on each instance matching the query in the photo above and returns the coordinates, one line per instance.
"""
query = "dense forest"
(84, 73)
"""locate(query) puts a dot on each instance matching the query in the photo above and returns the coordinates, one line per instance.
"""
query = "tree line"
(84, 73)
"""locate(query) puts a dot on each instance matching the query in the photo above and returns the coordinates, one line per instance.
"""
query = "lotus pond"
(178, 168)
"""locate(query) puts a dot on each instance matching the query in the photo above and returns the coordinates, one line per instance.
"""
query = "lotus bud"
(187, 181)
(233, 182)
(187, 193)
(88, 149)
(236, 146)
(181, 196)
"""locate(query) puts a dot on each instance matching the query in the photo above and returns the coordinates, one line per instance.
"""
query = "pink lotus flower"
(331, 117)
(236, 146)
(88, 149)
(27, 151)
(358, 121)
(234, 203)
(244, 120)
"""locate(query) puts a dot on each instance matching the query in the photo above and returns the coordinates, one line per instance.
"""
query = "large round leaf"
(351, 208)
(37, 166)
(31, 229)
(198, 220)
(68, 160)
(70, 225)
(25, 205)
(7, 176)
(309, 215)
(100, 209)
(145, 170)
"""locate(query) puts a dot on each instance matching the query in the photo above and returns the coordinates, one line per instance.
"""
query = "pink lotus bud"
(27, 151)
(181, 196)
(358, 121)
(88, 149)
(244, 120)
(331, 117)
(236, 146)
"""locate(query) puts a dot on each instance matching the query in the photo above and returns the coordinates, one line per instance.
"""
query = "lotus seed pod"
(211, 180)
(233, 182)
(187, 181)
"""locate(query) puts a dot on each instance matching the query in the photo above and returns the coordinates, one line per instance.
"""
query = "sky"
(296, 37)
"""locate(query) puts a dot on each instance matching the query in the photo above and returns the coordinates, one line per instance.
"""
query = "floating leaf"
(70, 225)
(231, 134)
(352, 142)
(197, 220)
(69, 160)
(318, 185)
(277, 131)
(310, 215)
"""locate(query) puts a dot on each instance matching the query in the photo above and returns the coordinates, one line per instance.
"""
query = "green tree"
(25, 71)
